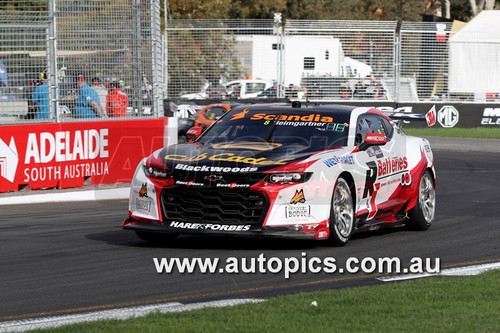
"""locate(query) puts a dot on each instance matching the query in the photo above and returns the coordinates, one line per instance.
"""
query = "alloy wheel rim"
(427, 198)
(344, 209)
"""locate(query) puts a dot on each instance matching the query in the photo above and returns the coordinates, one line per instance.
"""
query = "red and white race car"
(322, 172)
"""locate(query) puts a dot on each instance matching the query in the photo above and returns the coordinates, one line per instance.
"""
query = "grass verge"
(439, 304)
(479, 132)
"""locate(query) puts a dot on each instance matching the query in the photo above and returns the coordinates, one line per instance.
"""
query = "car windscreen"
(214, 113)
(307, 128)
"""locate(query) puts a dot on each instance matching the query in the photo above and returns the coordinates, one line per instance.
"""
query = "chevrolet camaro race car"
(322, 172)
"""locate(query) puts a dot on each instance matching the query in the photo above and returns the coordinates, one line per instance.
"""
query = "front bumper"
(316, 231)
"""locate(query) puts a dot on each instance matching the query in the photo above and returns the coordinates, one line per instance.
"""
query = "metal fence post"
(278, 31)
(397, 67)
(52, 60)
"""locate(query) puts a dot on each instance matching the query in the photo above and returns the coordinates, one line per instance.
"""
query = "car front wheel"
(342, 213)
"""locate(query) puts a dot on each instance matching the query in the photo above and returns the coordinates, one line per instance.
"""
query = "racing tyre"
(423, 214)
(341, 214)
(154, 237)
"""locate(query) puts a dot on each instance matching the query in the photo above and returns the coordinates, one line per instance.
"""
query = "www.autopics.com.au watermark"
(293, 265)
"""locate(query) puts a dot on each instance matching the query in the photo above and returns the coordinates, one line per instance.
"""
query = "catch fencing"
(109, 44)
(125, 44)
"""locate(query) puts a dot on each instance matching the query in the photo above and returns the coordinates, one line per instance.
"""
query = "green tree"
(261, 9)
(307, 10)
(199, 9)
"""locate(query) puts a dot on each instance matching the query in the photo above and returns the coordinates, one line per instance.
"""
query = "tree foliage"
(199, 9)
(408, 10)
(262, 9)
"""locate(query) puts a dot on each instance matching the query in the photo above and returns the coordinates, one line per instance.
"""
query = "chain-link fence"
(83, 58)
(207, 57)
(341, 60)
(49, 51)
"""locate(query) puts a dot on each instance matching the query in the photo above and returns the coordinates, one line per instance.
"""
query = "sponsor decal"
(297, 123)
(298, 197)
(297, 211)
(239, 115)
(209, 226)
(313, 117)
(375, 137)
(143, 192)
(375, 151)
(227, 157)
(491, 116)
(206, 168)
(406, 179)
(144, 205)
(330, 162)
(430, 117)
(9, 160)
(233, 185)
(189, 183)
(448, 116)
(390, 166)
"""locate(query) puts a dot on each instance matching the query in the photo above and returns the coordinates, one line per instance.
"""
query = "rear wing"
(429, 117)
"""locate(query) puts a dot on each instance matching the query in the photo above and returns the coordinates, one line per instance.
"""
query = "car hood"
(232, 157)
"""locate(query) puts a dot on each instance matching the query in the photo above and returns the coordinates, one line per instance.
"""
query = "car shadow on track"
(119, 237)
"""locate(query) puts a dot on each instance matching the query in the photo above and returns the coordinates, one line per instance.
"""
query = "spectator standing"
(41, 98)
(28, 95)
(87, 102)
(101, 91)
(116, 101)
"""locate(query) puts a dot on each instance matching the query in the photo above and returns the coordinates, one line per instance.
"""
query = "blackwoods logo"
(9, 160)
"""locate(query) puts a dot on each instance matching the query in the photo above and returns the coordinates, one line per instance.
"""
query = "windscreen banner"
(68, 155)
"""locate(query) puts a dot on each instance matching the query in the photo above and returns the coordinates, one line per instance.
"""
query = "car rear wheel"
(423, 215)
(154, 237)
(342, 213)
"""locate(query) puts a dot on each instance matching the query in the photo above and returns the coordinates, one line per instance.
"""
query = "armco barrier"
(67, 154)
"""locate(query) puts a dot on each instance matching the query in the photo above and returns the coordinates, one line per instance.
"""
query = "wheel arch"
(352, 186)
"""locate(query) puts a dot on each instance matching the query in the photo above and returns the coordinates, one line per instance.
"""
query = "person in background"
(28, 95)
(116, 101)
(101, 91)
(291, 91)
(41, 98)
(87, 102)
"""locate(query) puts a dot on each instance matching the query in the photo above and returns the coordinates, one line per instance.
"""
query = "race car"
(321, 172)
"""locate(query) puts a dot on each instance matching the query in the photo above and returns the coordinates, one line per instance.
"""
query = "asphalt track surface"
(64, 258)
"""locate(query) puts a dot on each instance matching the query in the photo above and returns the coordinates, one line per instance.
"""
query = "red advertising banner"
(65, 155)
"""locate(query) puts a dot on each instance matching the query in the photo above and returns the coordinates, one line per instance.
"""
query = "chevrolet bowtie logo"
(213, 178)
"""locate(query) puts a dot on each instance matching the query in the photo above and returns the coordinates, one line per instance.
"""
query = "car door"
(383, 165)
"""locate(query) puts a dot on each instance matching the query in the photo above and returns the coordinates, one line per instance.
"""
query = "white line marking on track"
(458, 271)
(119, 314)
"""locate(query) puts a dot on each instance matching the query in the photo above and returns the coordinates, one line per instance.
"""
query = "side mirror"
(194, 132)
(373, 139)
